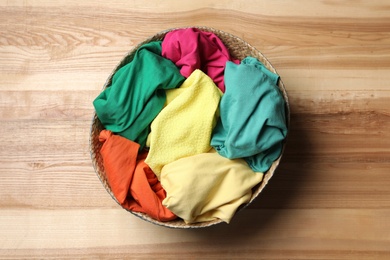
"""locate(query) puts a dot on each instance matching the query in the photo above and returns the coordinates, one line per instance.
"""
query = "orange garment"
(133, 183)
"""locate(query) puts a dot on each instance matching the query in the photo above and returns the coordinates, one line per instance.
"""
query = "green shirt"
(136, 94)
(252, 123)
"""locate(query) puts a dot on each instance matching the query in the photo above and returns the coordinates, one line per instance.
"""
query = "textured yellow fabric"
(207, 186)
(184, 126)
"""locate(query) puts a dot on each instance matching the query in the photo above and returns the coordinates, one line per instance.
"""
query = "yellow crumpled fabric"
(184, 126)
(207, 186)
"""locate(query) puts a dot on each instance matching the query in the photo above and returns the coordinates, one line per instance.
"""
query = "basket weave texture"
(238, 49)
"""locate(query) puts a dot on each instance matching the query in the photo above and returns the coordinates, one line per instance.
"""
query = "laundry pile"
(189, 131)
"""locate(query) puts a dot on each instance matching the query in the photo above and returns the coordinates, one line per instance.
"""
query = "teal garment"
(252, 122)
(137, 93)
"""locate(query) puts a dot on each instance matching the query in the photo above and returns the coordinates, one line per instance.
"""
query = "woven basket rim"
(94, 127)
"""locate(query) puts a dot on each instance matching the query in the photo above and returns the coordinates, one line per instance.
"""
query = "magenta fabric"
(192, 49)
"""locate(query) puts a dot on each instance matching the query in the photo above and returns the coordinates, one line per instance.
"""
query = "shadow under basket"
(238, 49)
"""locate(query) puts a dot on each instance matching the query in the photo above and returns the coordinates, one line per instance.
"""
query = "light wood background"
(330, 197)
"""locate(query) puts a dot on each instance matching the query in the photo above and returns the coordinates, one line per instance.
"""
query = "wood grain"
(329, 199)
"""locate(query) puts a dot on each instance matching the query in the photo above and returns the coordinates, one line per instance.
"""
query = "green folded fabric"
(137, 93)
(252, 123)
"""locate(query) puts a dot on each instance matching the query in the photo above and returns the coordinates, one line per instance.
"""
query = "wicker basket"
(239, 49)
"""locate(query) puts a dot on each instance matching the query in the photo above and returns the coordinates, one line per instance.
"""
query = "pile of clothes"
(189, 131)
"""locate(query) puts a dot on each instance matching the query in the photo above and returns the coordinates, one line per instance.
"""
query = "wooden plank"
(274, 233)
(63, 181)
(274, 8)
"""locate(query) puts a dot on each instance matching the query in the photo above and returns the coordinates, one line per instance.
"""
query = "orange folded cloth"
(133, 183)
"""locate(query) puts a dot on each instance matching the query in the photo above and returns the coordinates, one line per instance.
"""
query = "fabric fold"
(136, 94)
(183, 128)
(132, 182)
(192, 49)
(207, 186)
(253, 122)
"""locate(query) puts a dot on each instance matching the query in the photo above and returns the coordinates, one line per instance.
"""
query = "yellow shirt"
(184, 126)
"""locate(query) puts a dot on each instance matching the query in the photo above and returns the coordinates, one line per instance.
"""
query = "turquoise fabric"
(253, 122)
(137, 93)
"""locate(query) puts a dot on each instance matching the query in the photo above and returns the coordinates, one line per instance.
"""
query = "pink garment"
(192, 49)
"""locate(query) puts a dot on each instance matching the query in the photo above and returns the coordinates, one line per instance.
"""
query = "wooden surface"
(330, 197)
